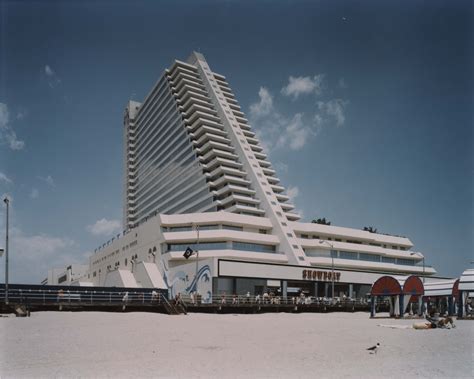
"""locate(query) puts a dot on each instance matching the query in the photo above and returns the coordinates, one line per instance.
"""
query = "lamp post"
(7, 202)
(332, 263)
(197, 258)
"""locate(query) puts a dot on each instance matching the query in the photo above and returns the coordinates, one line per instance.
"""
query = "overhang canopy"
(448, 287)
(397, 285)
(466, 282)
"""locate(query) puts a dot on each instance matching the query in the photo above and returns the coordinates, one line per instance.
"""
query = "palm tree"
(370, 229)
(321, 221)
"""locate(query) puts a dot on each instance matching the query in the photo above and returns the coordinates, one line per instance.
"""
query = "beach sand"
(307, 345)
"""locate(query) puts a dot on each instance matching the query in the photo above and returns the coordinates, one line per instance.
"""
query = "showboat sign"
(321, 275)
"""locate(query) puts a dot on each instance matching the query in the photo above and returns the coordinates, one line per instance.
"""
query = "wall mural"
(185, 281)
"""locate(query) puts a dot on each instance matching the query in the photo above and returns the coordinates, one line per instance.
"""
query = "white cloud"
(292, 192)
(295, 134)
(35, 254)
(48, 70)
(7, 134)
(48, 180)
(21, 114)
(274, 130)
(51, 76)
(5, 179)
(335, 109)
(303, 86)
(104, 227)
(34, 194)
(264, 106)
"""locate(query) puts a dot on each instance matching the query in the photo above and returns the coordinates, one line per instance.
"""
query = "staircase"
(174, 309)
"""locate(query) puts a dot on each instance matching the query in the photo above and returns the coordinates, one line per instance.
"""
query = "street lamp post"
(332, 263)
(197, 258)
(7, 202)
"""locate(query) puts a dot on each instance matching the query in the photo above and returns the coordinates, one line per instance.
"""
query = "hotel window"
(289, 234)
(202, 246)
(126, 262)
(304, 236)
(253, 247)
(369, 257)
(180, 228)
(262, 231)
(347, 255)
(208, 227)
(388, 260)
(407, 262)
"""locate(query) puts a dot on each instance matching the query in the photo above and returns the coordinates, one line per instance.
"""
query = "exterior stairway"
(174, 309)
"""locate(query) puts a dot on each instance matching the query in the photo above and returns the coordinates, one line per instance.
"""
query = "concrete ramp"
(149, 276)
(120, 278)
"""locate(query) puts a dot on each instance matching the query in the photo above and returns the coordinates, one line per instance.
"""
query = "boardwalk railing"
(244, 300)
(44, 295)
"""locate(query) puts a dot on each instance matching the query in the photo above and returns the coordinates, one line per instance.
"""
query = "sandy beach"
(54, 344)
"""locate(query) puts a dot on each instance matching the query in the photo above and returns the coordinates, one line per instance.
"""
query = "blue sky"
(365, 109)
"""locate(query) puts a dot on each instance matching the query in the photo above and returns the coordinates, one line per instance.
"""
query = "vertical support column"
(420, 305)
(372, 306)
(351, 290)
(460, 304)
(316, 289)
(450, 306)
(402, 307)
(284, 289)
(326, 289)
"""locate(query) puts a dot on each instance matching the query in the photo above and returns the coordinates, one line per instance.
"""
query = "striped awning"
(466, 282)
(447, 287)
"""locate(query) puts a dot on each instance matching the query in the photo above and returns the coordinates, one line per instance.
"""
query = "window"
(369, 257)
(347, 255)
(202, 246)
(208, 227)
(289, 234)
(304, 236)
(253, 247)
(262, 231)
(180, 228)
(407, 262)
(125, 261)
(232, 227)
(388, 260)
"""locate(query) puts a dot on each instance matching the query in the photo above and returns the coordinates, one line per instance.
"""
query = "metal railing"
(65, 296)
(244, 300)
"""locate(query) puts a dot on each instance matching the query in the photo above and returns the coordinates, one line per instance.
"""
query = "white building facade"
(195, 175)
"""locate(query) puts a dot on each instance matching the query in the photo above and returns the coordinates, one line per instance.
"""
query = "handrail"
(48, 296)
(237, 300)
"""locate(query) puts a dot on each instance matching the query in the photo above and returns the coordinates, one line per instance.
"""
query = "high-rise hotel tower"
(190, 149)
(196, 176)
